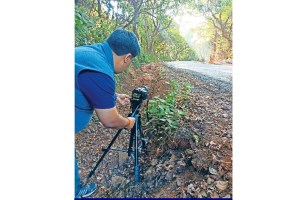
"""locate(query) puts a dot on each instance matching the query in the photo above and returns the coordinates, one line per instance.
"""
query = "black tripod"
(137, 143)
(137, 136)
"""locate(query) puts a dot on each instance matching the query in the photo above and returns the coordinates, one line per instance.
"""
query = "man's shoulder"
(90, 52)
(89, 48)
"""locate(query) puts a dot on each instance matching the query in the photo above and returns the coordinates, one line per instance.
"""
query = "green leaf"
(180, 112)
(196, 138)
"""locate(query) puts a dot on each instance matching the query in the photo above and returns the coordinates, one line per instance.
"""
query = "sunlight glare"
(188, 23)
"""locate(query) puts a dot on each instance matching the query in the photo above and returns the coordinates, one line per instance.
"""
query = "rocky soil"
(181, 167)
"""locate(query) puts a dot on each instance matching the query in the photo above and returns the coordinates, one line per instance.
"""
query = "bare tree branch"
(99, 8)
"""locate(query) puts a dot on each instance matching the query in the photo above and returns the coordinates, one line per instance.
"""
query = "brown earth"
(180, 167)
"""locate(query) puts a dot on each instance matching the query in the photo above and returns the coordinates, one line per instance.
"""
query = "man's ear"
(128, 56)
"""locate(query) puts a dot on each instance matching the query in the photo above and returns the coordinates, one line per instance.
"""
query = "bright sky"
(187, 22)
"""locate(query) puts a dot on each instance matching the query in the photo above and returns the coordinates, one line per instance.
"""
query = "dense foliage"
(155, 29)
(152, 22)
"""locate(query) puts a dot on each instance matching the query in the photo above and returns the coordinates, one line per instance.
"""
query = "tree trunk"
(134, 23)
(99, 8)
(212, 58)
(136, 12)
(150, 45)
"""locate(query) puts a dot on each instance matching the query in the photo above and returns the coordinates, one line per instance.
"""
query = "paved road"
(219, 76)
(219, 72)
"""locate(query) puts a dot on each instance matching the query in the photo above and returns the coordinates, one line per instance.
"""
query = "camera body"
(140, 93)
(138, 96)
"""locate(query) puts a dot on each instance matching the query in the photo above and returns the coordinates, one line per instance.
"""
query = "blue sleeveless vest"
(96, 57)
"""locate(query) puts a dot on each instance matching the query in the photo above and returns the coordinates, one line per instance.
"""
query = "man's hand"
(123, 99)
(131, 123)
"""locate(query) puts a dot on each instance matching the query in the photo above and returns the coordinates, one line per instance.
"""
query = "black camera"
(138, 95)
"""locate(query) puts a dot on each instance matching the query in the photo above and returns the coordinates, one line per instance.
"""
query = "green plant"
(90, 29)
(166, 113)
(82, 25)
(196, 138)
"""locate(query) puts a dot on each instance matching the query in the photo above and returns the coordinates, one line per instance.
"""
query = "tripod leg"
(104, 153)
(142, 137)
(131, 141)
(136, 166)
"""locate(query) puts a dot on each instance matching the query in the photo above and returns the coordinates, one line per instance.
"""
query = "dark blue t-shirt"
(98, 88)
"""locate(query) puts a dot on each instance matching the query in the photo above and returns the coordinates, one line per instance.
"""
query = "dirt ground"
(179, 168)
